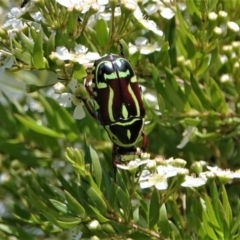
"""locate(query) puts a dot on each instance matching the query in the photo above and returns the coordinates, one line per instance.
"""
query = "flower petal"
(146, 184)
(65, 99)
(79, 112)
(161, 185)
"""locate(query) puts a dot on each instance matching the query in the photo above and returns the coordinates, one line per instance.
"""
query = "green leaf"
(154, 209)
(204, 65)
(174, 93)
(60, 118)
(218, 99)
(74, 205)
(193, 98)
(208, 228)
(96, 166)
(67, 223)
(32, 124)
(27, 42)
(102, 33)
(163, 221)
(79, 72)
(200, 6)
(161, 90)
(192, 8)
(93, 212)
(61, 207)
(38, 56)
(15, 231)
(215, 203)
(226, 206)
(204, 98)
(96, 198)
(123, 200)
(212, 218)
(50, 44)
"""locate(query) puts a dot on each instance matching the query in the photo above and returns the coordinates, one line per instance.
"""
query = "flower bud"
(197, 167)
(108, 228)
(59, 88)
(94, 225)
(222, 14)
(233, 26)
(212, 16)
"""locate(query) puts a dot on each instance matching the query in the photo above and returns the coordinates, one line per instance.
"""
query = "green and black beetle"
(119, 106)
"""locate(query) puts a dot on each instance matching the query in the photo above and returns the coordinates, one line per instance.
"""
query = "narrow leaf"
(163, 221)
(74, 205)
(38, 56)
(102, 32)
(154, 209)
(32, 124)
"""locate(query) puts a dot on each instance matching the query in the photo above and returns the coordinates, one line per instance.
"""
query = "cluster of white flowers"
(156, 173)
(68, 99)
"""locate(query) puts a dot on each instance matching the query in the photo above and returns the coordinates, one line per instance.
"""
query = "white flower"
(236, 174)
(14, 21)
(141, 41)
(37, 16)
(225, 78)
(80, 55)
(79, 5)
(151, 9)
(218, 31)
(62, 53)
(223, 174)
(191, 181)
(59, 88)
(75, 234)
(16, 12)
(177, 162)
(16, 24)
(148, 24)
(207, 175)
(167, 13)
(233, 26)
(68, 99)
(212, 16)
(134, 164)
(168, 171)
(222, 14)
(129, 4)
(159, 181)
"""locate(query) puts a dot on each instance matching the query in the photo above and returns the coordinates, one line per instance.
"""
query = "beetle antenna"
(121, 50)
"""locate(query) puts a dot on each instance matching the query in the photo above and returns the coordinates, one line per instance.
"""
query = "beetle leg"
(88, 84)
(121, 50)
(144, 142)
(114, 160)
(89, 109)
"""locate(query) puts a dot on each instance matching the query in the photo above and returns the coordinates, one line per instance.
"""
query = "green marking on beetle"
(135, 100)
(110, 104)
(123, 74)
(124, 111)
(101, 85)
(129, 134)
(114, 137)
(111, 76)
(134, 79)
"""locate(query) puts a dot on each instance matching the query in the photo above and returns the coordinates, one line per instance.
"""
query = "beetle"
(118, 104)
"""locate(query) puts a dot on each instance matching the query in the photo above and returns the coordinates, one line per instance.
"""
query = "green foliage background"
(198, 119)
